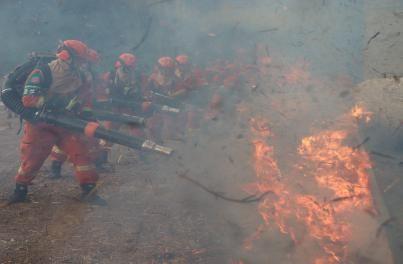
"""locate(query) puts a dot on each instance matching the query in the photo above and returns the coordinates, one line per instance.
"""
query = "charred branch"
(384, 224)
(373, 37)
(218, 195)
(382, 155)
(366, 140)
(145, 35)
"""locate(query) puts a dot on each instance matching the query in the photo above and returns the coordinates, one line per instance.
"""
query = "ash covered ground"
(156, 216)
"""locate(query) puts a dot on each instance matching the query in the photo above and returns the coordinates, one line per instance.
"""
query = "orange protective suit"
(67, 90)
(36, 145)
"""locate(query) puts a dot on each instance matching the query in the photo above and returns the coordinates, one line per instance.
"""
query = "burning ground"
(279, 176)
(283, 174)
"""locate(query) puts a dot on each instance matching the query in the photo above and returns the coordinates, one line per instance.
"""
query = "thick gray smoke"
(327, 32)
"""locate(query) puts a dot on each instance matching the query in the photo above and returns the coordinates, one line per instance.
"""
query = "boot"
(102, 158)
(89, 195)
(55, 170)
(101, 163)
(19, 195)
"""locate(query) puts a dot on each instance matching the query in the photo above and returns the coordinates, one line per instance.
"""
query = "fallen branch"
(343, 198)
(373, 37)
(362, 143)
(145, 35)
(248, 199)
(375, 70)
(395, 76)
(382, 155)
(383, 225)
(390, 186)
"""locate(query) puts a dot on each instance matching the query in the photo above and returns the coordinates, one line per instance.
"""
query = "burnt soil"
(154, 216)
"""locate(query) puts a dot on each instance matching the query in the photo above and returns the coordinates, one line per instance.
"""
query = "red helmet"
(182, 59)
(166, 62)
(126, 59)
(93, 56)
(72, 48)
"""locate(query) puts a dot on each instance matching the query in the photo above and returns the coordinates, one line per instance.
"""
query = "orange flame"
(338, 167)
(359, 113)
(268, 179)
(339, 176)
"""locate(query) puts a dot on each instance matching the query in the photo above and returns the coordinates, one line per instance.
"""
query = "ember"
(359, 113)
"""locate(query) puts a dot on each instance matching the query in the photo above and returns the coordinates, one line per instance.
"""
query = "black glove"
(32, 115)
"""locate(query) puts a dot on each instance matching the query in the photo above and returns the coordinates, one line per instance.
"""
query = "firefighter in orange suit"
(163, 81)
(58, 156)
(122, 84)
(58, 86)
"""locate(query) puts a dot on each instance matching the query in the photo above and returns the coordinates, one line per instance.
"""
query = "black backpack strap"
(12, 90)
(45, 69)
(20, 125)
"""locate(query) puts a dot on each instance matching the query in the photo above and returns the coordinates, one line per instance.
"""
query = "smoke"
(109, 26)
(327, 32)
(316, 43)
